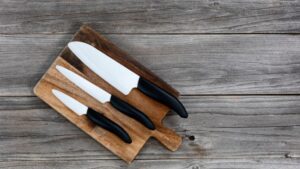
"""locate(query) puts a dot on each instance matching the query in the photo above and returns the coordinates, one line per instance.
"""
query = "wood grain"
(191, 45)
(262, 163)
(139, 134)
(193, 64)
(222, 131)
(142, 16)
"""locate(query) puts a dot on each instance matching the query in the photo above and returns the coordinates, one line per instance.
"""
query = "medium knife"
(103, 97)
(97, 118)
(122, 78)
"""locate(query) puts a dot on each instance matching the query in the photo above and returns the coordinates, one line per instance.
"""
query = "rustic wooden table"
(236, 63)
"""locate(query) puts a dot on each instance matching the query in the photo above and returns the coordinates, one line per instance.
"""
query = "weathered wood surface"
(244, 129)
(143, 16)
(222, 132)
(193, 64)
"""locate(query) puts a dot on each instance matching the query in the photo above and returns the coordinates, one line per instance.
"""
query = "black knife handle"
(109, 125)
(131, 112)
(162, 96)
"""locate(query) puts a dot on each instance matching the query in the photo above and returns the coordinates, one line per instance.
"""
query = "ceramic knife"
(122, 78)
(103, 97)
(97, 118)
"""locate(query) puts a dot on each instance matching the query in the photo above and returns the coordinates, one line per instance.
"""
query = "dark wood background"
(236, 63)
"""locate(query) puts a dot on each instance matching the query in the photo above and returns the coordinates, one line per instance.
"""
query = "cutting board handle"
(167, 137)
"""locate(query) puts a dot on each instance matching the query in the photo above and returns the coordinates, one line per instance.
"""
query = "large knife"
(122, 78)
(97, 118)
(103, 97)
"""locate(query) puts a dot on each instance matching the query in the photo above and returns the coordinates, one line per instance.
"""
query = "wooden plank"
(193, 64)
(154, 164)
(142, 16)
(222, 131)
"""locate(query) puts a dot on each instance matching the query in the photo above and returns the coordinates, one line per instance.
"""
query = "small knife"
(97, 118)
(103, 97)
(122, 78)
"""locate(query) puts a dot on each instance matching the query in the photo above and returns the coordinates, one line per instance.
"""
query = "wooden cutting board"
(52, 79)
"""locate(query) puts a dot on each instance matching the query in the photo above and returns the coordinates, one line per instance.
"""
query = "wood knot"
(194, 166)
(287, 155)
(216, 4)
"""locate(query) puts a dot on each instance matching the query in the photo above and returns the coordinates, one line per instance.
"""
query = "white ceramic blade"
(71, 103)
(93, 90)
(110, 70)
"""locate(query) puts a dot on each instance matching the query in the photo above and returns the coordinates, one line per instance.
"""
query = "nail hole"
(192, 138)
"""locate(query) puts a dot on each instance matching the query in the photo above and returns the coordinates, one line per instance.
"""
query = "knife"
(103, 97)
(97, 118)
(122, 78)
